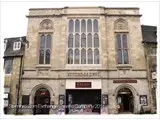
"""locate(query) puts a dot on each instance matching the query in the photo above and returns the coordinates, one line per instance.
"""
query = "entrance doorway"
(83, 101)
(125, 100)
(41, 101)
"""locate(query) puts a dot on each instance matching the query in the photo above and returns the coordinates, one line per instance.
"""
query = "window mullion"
(122, 49)
(45, 49)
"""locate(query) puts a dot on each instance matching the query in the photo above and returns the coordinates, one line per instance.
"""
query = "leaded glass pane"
(77, 40)
(96, 40)
(83, 26)
(42, 41)
(89, 40)
(83, 40)
(90, 56)
(95, 25)
(71, 25)
(70, 56)
(124, 38)
(96, 56)
(48, 43)
(89, 25)
(118, 37)
(41, 57)
(76, 57)
(119, 57)
(77, 26)
(70, 41)
(83, 56)
(47, 60)
(125, 53)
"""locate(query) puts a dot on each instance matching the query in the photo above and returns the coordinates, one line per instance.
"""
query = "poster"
(143, 100)
(104, 99)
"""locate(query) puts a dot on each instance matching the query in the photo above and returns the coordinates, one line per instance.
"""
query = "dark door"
(83, 97)
(41, 102)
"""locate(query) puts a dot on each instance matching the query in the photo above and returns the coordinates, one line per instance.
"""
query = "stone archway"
(125, 96)
(35, 92)
(125, 100)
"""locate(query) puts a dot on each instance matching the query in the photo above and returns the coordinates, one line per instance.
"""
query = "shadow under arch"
(127, 101)
(133, 90)
(41, 99)
(35, 88)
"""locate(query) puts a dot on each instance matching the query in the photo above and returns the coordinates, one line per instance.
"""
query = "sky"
(14, 21)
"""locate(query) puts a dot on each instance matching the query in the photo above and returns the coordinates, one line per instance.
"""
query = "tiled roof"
(149, 34)
(9, 46)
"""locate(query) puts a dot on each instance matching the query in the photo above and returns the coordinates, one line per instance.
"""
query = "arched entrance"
(125, 100)
(41, 101)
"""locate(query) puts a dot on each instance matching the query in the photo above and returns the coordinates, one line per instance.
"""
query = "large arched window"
(45, 49)
(121, 28)
(83, 41)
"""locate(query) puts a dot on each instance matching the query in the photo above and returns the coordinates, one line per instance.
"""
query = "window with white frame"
(8, 65)
(83, 41)
(16, 45)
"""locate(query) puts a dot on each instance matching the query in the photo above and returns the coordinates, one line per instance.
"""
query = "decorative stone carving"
(120, 24)
(124, 73)
(43, 72)
(46, 25)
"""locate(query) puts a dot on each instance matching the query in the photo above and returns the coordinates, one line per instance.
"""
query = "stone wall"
(55, 75)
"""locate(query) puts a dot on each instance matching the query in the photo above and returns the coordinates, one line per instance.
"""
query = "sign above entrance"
(124, 81)
(83, 85)
(83, 74)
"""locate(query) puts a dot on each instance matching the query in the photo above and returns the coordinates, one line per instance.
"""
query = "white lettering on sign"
(84, 74)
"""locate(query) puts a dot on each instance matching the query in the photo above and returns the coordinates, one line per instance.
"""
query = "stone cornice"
(40, 16)
(101, 69)
(60, 15)
(57, 78)
(84, 8)
(130, 15)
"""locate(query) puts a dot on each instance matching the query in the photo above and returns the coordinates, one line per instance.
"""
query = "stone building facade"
(13, 54)
(149, 34)
(79, 50)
